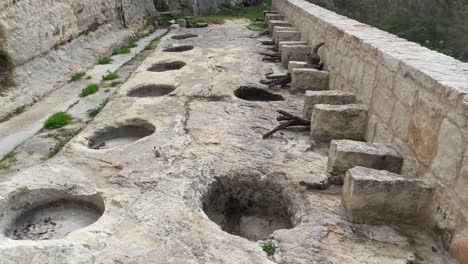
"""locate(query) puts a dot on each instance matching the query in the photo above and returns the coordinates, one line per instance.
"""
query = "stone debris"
(331, 97)
(347, 154)
(330, 122)
(374, 197)
(303, 79)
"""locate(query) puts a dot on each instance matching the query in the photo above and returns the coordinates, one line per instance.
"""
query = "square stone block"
(294, 53)
(330, 122)
(331, 97)
(277, 23)
(298, 65)
(308, 79)
(287, 36)
(278, 29)
(294, 42)
(273, 16)
(347, 154)
(380, 197)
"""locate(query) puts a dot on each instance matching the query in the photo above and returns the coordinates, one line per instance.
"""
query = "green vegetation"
(114, 84)
(8, 160)
(77, 76)
(156, 39)
(257, 26)
(89, 90)
(125, 49)
(110, 76)
(270, 248)
(57, 120)
(63, 136)
(94, 112)
(89, 77)
(20, 109)
(105, 60)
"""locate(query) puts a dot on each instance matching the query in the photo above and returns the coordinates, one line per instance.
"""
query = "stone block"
(277, 23)
(347, 154)
(287, 36)
(308, 79)
(273, 16)
(331, 97)
(338, 122)
(294, 42)
(380, 197)
(294, 53)
(278, 29)
(298, 65)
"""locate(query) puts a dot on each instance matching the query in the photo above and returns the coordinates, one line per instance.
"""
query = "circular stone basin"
(256, 94)
(184, 36)
(167, 66)
(179, 48)
(52, 218)
(246, 207)
(111, 137)
(151, 90)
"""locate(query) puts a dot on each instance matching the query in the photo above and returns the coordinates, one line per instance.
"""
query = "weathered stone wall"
(416, 100)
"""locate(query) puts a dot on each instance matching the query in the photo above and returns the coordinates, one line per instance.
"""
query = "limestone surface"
(374, 196)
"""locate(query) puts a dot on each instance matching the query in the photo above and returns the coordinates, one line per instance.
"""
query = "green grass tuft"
(8, 160)
(125, 49)
(77, 76)
(110, 76)
(94, 112)
(114, 84)
(63, 136)
(57, 120)
(270, 248)
(105, 60)
(20, 109)
(89, 90)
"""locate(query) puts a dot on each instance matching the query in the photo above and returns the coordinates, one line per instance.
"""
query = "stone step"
(303, 79)
(294, 53)
(273, 16)
(299, 65)
(294, 42)
(380, 197)
(331, 97)
(290, 35)
(330, 122)
(278, 29)
(277, 23)
(347, 154)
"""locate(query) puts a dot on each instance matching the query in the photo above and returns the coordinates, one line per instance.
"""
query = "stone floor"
(153, 189)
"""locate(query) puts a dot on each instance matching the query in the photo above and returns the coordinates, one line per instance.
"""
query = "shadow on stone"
(179, 48)
(121, 134)
(184, 36)
(151, 90)
(167, 66)
(256, 94)
(247, 206)
(47, 214)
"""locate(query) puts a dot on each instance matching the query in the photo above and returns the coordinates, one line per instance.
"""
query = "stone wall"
(416, 100)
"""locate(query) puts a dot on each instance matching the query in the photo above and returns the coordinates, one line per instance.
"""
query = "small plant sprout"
(89, 90)
(269, 248)
(105, 60)
(57, 120)
(110, 76)
(77, 76)
(125, 49)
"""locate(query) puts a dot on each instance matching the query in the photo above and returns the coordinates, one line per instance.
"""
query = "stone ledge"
(308, 79)
(331, 97)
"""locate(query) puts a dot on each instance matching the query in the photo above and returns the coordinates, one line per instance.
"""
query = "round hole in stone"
(47, 214)
(184, 36)
(247, 207)
(256, 94)
(151, 90)
(167, 66)
(179, 48)
(122, 134)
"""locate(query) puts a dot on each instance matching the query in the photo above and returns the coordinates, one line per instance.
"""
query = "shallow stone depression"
(151, 90)
(179, 48)
(48, 214)
(184, 36)
(247, 207)
(114, 136)
(256, 94)
(167, 66)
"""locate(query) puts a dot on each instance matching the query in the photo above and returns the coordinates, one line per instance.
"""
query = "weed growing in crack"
(270, 248)
(20, 109)
(94, 112)
(8, 160)
(105, 60)
(63, 136)
(125, 49)
(114, 84)
(57, 120)
(89, 90)
(150, 46)
(110, 76)
(77, 76)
